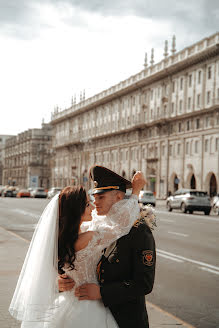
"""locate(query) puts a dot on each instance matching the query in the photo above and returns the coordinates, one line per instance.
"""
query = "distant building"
(28, 158)
(164, 121)
(3, 139)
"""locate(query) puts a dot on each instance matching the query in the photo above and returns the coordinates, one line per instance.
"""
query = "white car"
(189, 200)
(38, 193)
(53, 191)
(146, 197)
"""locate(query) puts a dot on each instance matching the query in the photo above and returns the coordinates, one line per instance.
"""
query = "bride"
(59, 245)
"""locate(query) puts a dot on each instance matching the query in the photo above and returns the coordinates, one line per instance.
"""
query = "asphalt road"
(187, 276)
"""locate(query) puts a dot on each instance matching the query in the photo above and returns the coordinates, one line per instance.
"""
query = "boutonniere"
(146, 215)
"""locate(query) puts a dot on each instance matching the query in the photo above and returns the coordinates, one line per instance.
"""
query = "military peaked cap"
(107, 180)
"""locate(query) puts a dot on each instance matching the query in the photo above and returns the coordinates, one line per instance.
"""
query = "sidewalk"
(12, 252)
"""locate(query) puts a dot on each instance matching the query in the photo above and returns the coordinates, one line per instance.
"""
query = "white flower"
(147, 213)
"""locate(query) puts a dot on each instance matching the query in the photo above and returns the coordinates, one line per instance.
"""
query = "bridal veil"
(35, 296)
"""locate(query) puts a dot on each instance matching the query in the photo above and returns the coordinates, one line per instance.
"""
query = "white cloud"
(72, 50)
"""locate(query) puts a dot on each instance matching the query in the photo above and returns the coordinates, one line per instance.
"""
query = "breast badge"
(148, 258)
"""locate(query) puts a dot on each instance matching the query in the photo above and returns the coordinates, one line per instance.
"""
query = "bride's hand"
(138, 182)
(88, 292)
(65, 283)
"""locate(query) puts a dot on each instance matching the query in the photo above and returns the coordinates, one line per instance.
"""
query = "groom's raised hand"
(88, 292)
(65, 283)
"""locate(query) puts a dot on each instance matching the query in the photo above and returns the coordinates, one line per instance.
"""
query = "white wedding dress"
(70, 312)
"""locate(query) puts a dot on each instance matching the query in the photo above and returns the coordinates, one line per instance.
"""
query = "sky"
(52, 50)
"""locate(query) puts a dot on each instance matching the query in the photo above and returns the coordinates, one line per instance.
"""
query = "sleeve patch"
(148, 257)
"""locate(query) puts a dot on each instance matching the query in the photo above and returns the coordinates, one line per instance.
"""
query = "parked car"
(1, 190)
(39, 193)
(147, 197)
(9, 192)
(216, 207)
(189, 200)
(23, 193)
(53, 191)
(214, 200)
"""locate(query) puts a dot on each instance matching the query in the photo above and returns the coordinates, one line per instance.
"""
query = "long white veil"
(35, 296)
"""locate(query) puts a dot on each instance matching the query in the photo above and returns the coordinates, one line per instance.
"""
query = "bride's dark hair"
(72, 204)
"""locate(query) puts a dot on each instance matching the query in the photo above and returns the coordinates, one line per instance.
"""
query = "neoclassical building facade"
(27, 159)
(164, 121)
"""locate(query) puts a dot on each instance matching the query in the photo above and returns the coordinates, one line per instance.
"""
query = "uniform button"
(102, 280)
(102, 271)
(117, 260)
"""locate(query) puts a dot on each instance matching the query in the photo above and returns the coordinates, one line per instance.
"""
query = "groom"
(127, 268)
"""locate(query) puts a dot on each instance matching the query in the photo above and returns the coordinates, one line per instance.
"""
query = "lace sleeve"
(117, 222)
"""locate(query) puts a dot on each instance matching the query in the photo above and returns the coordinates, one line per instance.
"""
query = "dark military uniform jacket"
(126, 274)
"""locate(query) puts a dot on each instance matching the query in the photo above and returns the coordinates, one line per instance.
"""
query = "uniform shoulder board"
(138, 222)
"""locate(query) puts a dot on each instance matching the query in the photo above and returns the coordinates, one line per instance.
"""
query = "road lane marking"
(189, 216)
(209, 270)
(169, 257)
(179, 322)
(167, 220)
(209, 266)
(17, 210)
(178, 234)
(15, 234)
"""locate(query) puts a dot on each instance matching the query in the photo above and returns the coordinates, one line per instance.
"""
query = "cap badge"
(95, 184)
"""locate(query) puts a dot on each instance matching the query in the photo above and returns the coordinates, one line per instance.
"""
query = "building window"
(197, 123)
(165, 89)
(207, 122)
(173, 86)
(209, 72)
(178, 149)
(206, 145)
(190, 80)
(208, 97)
(171, 150)
(172, 107)
(218, 93)
(158, 92)
(189, 103)
(199, 76)
(181, 83)
(179, 127)
(187, 148)
(152, 94)
(180, 105)
(171, 129)
(196, 146)
(198, 99)
(165, 110)
(217, 144)
(188, 125)
(133, 101)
